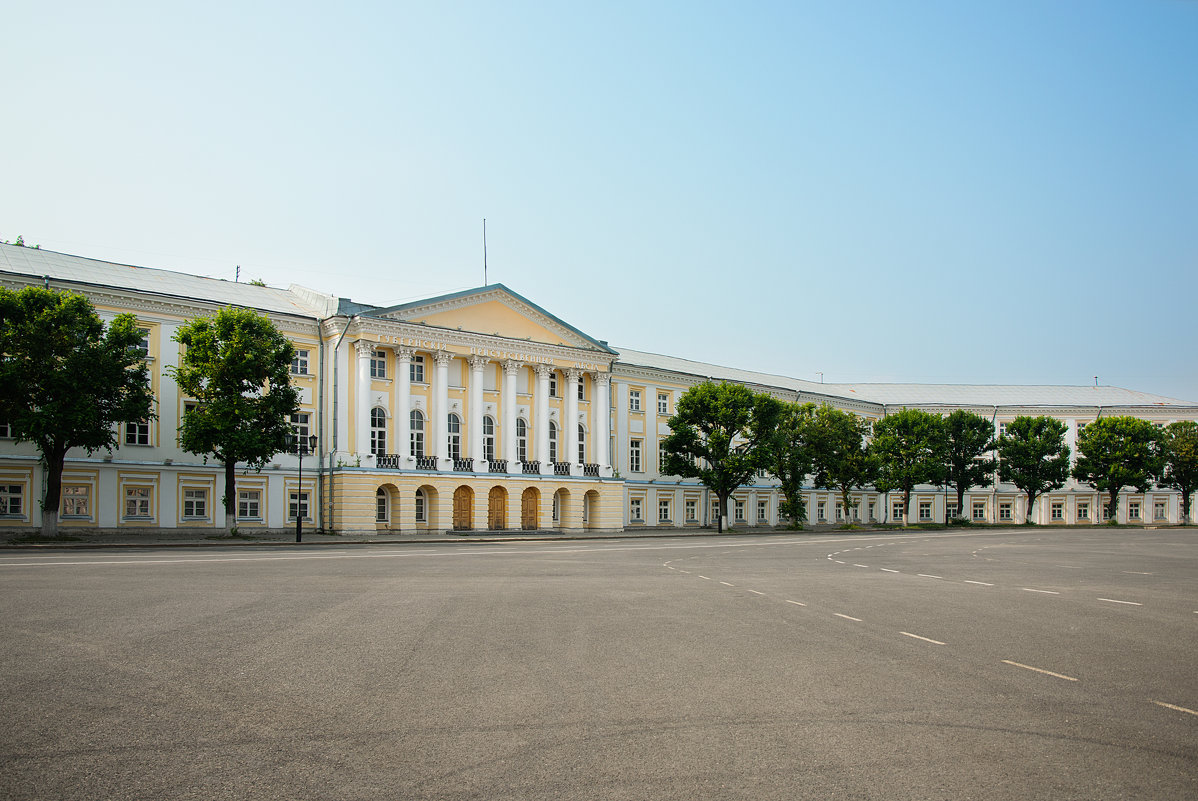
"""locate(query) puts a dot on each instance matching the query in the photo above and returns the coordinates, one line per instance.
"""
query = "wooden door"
(529, 509)
(497, 509)
(463, 509)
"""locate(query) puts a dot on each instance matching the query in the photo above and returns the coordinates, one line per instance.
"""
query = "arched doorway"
(463, 508)
(561, 508)
(590, 510)
(497, 509)
(425, 510)
(530, 507)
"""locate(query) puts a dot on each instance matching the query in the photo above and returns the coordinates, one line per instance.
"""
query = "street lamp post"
(302, 445)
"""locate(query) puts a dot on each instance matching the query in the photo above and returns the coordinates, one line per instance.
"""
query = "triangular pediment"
(494, 310)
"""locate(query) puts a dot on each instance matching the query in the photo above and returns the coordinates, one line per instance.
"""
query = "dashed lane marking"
(1175, 708)
(705, 578)
(857, 565)
(726, 584)
(888, 570)
(926, 575)
(1117, 601)
(755, 592)
(1039, 670)
(1138, 573)
(982, 583)
(1046, 592)
(796, 603)
(917, 637)
(846, 617)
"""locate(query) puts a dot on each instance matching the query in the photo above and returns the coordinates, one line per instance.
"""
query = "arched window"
(455, 437)
(378, 431)
(557, 508)
(521, 440)
(489, 438)
(552, 441)
(382, 506)
(417, 433)
(582, 444)
(421, 507)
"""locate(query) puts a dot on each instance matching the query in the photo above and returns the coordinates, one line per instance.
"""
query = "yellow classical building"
(473, 411)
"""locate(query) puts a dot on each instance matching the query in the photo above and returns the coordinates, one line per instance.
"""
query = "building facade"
(478, 410)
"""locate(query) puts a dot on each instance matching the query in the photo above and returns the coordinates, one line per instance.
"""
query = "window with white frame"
(5, 430)
(378, 364)
(661, 458)
(951, 509)
(553, 384)
(582, 444)
(1106, 512)
(137, 432)
(663, 510)
(1160, 509)
(1083, 510)
(143, 344)
(12, 500)
(195, 504)
(663, 403)
(455, 436)
(763, 511)
(872, 507)
(1133, 510)
(634, 400)
(739, 510)
(635, 509)
(1006, 511)
(925, 510)
(416, 370)
(489, 438)
(521, 440)
(821, 511)
(582, 384)
(1002, 429)
(378, 431)
(299, 424)
(382, 506)
(421, 507)
(137, 502)
(299, 363)
(897, 510)
(634, 455)
(76, 500)
(979, 510)
(417, 433)
(297, 505)
(552, 441)
(249, 504)
(692, 510)
(715, 509)
(557, 507)
(1057, 511)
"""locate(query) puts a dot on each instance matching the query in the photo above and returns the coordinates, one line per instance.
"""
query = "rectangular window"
(1083, 510)
(979, 510)
(692, 511)
(634, 510)
(137, 432)
(249, 505)
(715, 509)
(137, 502)
(416, 370)
(1133, 510)
(634, 400)
(634, 455)
(1005, 511)
(896, 510)
(299, 363)
(663, 403)
(661, 458)
(76, 500)
(763, 511)
(297, 505)
(143, 344)
(663, 510)
(739, 510)
(195, 503)
(1160, 509)
(952, 510)
(872, 507)
(553, 385)
(821, 511)
(381, 506)
(299, 422)
(1106, 512)
(582, 388)
(839, 513)
(1057, 510)
(378, 364)
(421, 515)
(5, 430)
(925, 510)
(12, 497)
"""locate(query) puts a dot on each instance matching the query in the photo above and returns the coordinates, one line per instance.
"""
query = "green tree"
(790, 459)
(839, 458)
(1033, 456)
(1179, 454)
(969, 437)
(1117, 452)
(237, 366)
(721, 434)
(908, 450)
(66, 381)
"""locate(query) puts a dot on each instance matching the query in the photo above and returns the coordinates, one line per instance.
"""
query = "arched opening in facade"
(489, 438)
(497, 509)
(552, 442)
(455, 437)
(387, 508)
(561, 508)
(530, 508)
(378, 431)
(590, 510)
(425, 511)
(463, 508)
(521, 440)
(417, 444)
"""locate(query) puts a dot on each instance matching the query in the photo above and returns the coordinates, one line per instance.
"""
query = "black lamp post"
(302, 445)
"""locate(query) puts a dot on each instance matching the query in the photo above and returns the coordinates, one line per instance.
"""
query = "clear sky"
(934, 192)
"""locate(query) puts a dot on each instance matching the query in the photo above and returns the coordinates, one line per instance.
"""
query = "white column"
(477, 365)
(510, 368)
(570, 424)
(601, 422)
(403, 403)
(620, 457)
(440, 411)
(364, 350)
(542, 417)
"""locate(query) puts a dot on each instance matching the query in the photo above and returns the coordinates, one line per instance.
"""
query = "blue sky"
(934, 192)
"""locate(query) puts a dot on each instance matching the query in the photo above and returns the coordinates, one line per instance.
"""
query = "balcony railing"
(497, 466)
(463, 465)
(426, 462)
(387, 461)
(561, 468)
(590, 470)
(531, 468)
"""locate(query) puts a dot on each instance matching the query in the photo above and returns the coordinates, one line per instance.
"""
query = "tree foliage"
(1033, 456)
(1179, 457)
(908, 449)
(790, 458)
(236, 366)
(720, 434)
(66, 381)
(969, 437)
(1117, 452)
(838, 456)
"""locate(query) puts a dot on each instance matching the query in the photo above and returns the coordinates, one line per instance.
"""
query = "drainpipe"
(320, 412)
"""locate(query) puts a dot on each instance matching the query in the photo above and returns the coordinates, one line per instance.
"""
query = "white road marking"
(846, 617)
(796, 603)
(1116, 601)
(837, 561)
(888, 570)
(982, 583)
(755, 592)
(1175, 708)
(857, 565)
(925, 639)
(726, 584)
(1138, 573)
(680, 570)
(1046, 592)
(705, 578)
(925, 575)
(1040, 670)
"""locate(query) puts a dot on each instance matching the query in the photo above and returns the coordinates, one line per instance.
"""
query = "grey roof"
(36, 263)
(954, 395)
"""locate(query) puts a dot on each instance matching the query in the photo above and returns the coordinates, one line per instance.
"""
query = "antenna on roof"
(484, 251)
(237, 275)
(1096, 382)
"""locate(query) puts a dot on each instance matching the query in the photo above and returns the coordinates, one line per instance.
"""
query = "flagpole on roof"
(484, 251)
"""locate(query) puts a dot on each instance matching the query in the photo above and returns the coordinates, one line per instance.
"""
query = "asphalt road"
(958, 665)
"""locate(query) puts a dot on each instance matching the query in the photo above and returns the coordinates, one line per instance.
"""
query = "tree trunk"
(54, 463)
(1112, 505)
(906, 506)
(1185, 507)
(1031, 503)
(230, 494)
(960, 500)
(720, 521)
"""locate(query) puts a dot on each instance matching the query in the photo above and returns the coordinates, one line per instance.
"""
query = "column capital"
(478, 362)
(442, 358)
(603, 379)
(573, 373)
(510, 366)
(403, 352)
(365, 348)
(544, 370)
